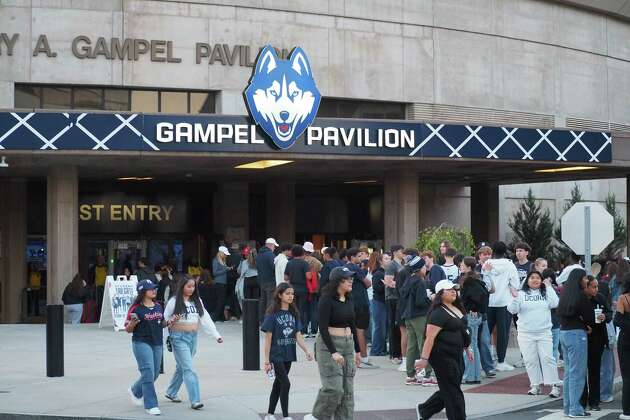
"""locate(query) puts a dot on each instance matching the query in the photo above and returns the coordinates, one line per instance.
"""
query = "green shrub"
(460, 239)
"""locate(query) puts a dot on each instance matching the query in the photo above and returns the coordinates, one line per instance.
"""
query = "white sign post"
(587, 228)
(117, 299)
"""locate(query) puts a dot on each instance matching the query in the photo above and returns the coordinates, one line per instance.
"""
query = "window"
(144, 101)
(29, 97)
(346, 108)
(113, 99)
(56, 98)
(174, 102)
(88, 98)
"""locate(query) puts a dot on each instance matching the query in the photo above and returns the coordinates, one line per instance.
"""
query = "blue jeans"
(607, 373)
(574, 349)
(379, 328)
(555, 342)
(184, 349)
(484, 348)
(149, 359)
(472, 372)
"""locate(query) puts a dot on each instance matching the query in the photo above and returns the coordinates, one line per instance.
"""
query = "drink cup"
(598, 312)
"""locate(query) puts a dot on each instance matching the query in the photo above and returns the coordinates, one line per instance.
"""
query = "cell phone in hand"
(134, 316)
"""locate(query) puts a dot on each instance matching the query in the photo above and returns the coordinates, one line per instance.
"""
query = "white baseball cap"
(308, 247)
(445, 285)
(271, 241)
(323, 250)
(224, 250)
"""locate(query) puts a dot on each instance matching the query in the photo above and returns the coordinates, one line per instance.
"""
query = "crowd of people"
(445, 319)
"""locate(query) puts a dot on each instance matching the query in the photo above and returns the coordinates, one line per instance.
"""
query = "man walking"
(266, 274)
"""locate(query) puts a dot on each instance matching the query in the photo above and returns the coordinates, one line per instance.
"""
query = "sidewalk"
(99, 367)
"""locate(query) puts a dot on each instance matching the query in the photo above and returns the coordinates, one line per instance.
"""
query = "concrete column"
(12, 248)
(62, 231)
(231, 210)
(627, 213)
(402, 209)
(484, 211)
(280, 211)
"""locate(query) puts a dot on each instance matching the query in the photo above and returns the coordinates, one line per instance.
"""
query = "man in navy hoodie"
(330, 261)
(266, 274)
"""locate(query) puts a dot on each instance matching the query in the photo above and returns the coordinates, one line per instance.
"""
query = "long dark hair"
(572, 293)
(140, 297)
(276, 305)
(527, 289)
(438, 301)
(471, 263)
(180, 305)
(331, 288)
(77, 283)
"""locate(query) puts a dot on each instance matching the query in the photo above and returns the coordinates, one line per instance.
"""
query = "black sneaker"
(491, 374)
(197, 406)
(579, 416)
(595, 408)
(419, 411)
(172, 398)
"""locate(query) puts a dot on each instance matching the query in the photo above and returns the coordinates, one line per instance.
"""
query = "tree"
(533, 225)
(561, 251)
(619, 242)
(460, 239)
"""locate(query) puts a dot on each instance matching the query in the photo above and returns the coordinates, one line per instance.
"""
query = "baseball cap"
(145, 285)
(445, 285)
(323, 250)
(224, 250)
(271, 241)
(308, 247)
(340, 273)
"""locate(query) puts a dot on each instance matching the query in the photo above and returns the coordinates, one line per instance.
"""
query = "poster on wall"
(117, 299)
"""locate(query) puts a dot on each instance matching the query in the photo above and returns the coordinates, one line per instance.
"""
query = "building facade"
(83, 84)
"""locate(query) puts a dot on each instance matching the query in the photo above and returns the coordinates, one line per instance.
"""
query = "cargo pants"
(415, 342)
(336, 396)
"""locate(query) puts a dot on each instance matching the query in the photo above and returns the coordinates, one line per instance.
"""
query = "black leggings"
(251, 290)
(280, 389)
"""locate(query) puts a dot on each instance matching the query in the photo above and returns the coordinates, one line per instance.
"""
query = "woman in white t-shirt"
(183, 335)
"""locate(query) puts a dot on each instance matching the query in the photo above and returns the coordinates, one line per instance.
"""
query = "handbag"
(169, 344)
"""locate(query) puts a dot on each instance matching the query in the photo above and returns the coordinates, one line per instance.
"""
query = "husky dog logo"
(282, 96)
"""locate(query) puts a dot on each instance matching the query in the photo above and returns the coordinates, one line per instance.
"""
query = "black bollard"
(251, 337)
(54, 340)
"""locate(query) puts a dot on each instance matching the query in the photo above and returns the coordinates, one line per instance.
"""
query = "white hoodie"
(503, 275)
(534, 309)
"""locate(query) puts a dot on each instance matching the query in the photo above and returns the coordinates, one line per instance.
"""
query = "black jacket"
(378, 287)
(475, 296)
(73, 297)
(413, 298)
(266, 268)
(599, 334)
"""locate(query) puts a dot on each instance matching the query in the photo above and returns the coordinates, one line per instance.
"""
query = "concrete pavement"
(99, 366)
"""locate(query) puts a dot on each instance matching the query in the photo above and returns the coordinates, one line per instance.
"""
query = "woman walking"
(219, 272)
(576, 320)
(622, 321)
(74, 296)
(337, 349)
(376, 266)
(146, 322)
(187, 305)
(282, 329)
(446, 339)
(475, 298)
(533, 305)
(247, 270)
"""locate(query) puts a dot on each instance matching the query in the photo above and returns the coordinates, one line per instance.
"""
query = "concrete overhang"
(617, 8)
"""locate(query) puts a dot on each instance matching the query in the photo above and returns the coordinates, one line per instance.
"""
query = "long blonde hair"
(221, 257)
(251, 258)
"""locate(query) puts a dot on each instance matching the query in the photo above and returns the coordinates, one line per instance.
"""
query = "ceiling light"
(368, 181)
(565, 169)
(263, 164)
(135, 178)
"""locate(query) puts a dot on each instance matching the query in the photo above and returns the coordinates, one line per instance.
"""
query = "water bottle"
(271, 375)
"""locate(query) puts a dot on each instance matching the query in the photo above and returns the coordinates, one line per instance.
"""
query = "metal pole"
(54, 340)
(251, 336)
(587, 239)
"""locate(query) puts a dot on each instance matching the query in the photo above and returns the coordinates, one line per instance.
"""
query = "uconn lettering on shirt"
(534, 298)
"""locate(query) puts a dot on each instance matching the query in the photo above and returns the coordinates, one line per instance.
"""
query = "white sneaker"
(270, 417)
(493, 350)
(138, 402)
(286, 418)
(403, 365)
(624, 417)
(534, 390)
(310, 417)
(504, 367)
(155, 411)
(519, 364)
(555, 391)
(560, 363)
